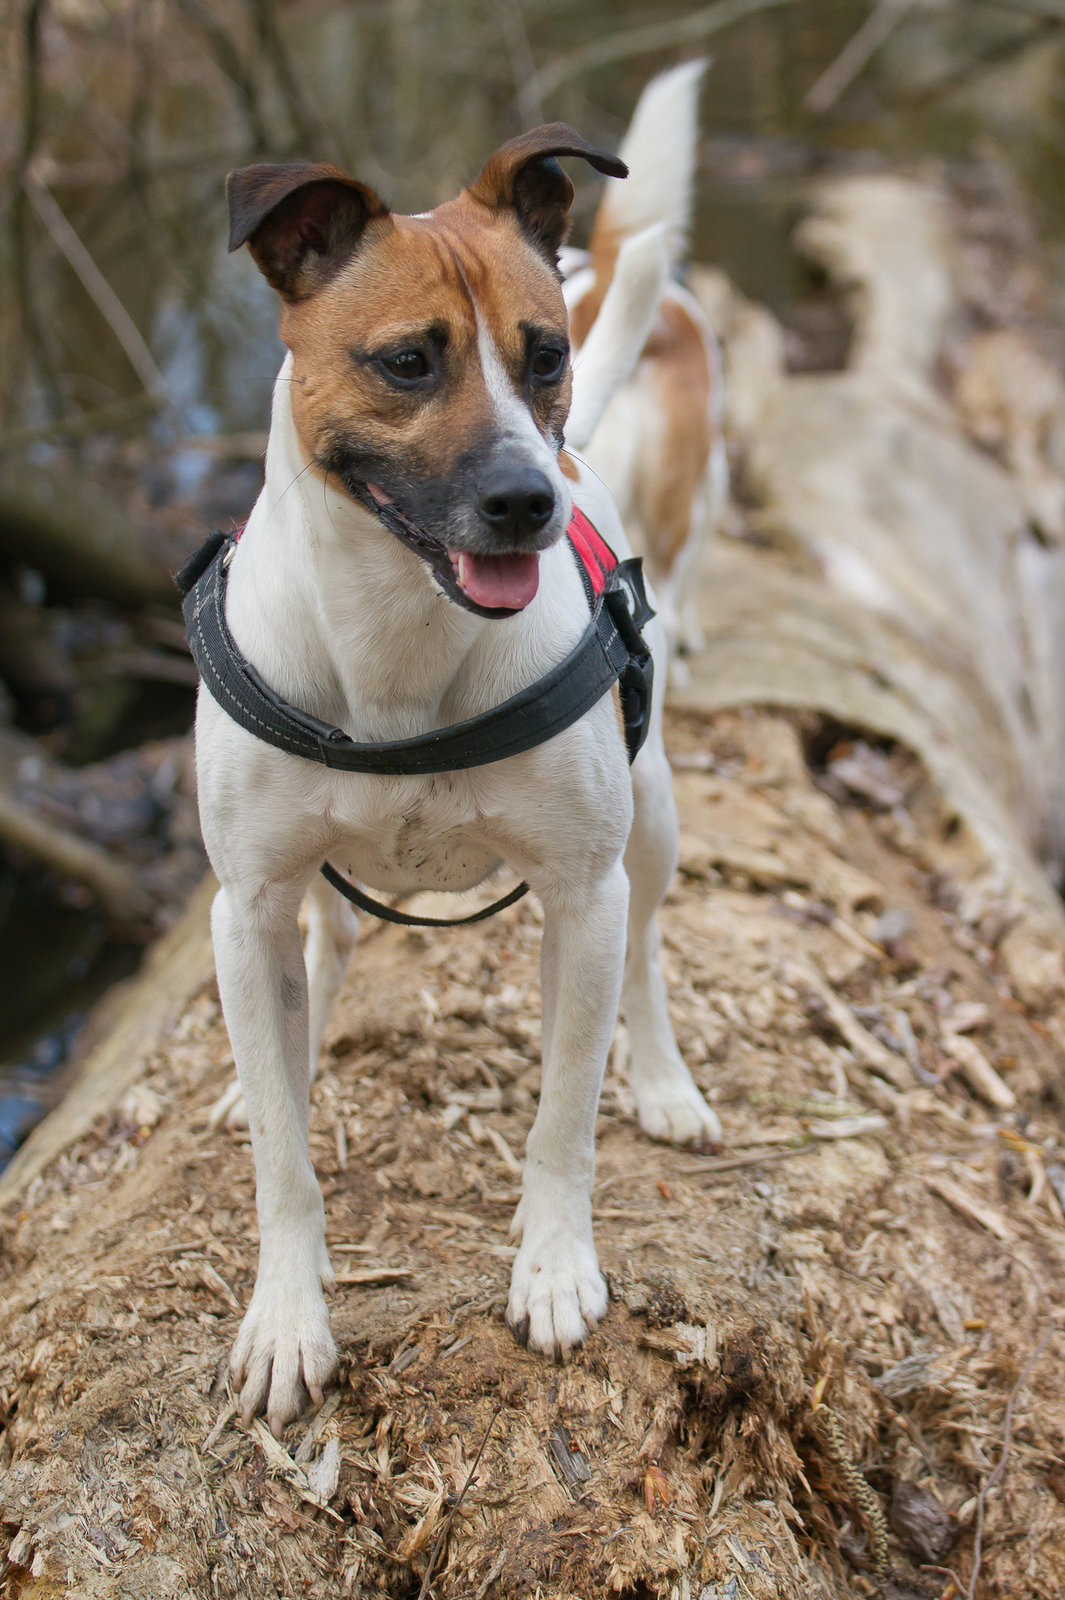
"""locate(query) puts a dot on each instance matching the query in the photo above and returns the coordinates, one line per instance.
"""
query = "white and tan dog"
(659, 443)
(428, 367)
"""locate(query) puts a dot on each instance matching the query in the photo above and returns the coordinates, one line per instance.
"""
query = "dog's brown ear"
(301, 220)
(524, 174)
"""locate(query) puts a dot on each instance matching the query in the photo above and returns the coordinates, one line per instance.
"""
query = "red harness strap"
(594, 554)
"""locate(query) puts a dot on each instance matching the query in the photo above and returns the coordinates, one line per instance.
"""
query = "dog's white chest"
(424, 834)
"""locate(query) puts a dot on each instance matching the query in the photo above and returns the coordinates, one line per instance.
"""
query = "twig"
(1007, 1437)
(32, 119)
(522, 60)
(856, 54)
(978, 1072)
(971, 1206)
(442, 1535)
(229, 59)
(731, 1163)
(96, 286)
(867, 1049)
(114, 886)
(374, 1275)
(310, 132)
(639, 41)
(114, 414)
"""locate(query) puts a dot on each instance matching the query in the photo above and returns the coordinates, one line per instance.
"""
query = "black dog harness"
(611, 650)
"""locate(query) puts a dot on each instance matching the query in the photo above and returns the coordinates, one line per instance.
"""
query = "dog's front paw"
(284, 1352)
(557, 1295)
(677, 1113)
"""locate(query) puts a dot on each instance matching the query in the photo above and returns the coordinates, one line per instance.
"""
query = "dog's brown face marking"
(389, 358)
(430, 354)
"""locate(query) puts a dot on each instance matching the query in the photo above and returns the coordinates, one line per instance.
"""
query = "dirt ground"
(819, 1337)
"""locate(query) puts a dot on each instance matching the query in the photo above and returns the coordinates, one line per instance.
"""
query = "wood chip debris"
(868, 1050)
(971, 1206)
(314, 1484)
(978, 1072)
(687, 1402)
(572, 1464)
(375, 1275)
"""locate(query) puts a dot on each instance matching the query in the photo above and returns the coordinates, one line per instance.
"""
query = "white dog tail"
(619, 332)
(659, 150)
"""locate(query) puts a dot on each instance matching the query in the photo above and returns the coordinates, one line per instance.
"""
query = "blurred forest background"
(137, 357)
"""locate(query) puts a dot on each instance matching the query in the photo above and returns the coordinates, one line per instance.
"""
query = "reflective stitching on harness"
(610, 649)
(218, 684)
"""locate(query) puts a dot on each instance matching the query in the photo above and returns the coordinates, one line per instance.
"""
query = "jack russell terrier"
(417, 576)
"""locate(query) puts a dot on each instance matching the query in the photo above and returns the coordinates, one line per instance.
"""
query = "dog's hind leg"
(284, 1344)
(557, 1292)
(332, 930)
(667, 1101)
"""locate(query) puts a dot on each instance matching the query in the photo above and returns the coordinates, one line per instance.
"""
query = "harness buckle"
(625, 597)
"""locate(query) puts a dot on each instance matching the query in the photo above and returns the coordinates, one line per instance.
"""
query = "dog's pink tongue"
(500, 582)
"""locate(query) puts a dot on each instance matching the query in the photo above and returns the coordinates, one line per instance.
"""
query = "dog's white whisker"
(292, 485)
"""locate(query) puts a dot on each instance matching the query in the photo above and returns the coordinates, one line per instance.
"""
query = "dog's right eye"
(408, 366)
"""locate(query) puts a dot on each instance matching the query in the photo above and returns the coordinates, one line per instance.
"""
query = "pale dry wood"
(971, 1206)
(979, 1072)
(375, 1275)
(950, 645)
(867, 1049)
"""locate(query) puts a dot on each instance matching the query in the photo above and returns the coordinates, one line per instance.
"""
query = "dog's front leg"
(557, 1293)
(284, 1342)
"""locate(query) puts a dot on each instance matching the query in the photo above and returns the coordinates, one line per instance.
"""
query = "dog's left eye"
(548, 363)
(407, 365)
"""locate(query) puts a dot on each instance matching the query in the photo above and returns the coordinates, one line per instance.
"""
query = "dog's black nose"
(515, 501)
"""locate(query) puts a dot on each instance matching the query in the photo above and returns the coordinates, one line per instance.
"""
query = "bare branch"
(115, 886)
(96, 286)
(688, 29)
(856, 55)
(522, 60)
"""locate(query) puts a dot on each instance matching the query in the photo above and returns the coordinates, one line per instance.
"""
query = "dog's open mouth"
(501, 582)
(495, 585)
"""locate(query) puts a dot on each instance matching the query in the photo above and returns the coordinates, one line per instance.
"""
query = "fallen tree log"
(85, 539)
(832, 1351)
(115, 886)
